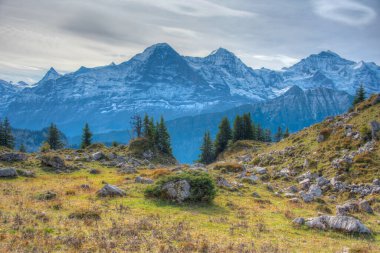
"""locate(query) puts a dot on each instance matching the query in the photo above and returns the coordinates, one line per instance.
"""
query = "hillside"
(51, 201)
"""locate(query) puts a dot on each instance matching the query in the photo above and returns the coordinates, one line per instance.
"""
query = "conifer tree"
(137, 125)
(163, 138)
(149, 129)
(223, 136)
(254, 132)
(278, 135)
(6, 136)
(207, 150)
(22, 148)
(360, 95)
(268, 137)
(2, 134)
(86, 136)
(260, 133)
(286, 134)
(247, 127)
(238, 131)
(54, 137)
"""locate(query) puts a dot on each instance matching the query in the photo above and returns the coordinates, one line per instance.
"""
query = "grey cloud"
(264, 33)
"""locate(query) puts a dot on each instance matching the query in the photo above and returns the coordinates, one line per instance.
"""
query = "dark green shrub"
(202, 186)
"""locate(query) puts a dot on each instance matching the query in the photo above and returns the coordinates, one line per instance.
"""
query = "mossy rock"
(190, 186)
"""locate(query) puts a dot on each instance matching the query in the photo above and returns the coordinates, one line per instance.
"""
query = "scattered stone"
(222, 182)
(13, 157)
(375, 128)
(49, 195)
(306, 164)
(53, 161)
(289, 195)
(345, 224)
(177, 191)
(365, 206)
(299, 221)
(348, 130)
(128, 169)
(292, 189)
(260, 170)
(256, 195)
(321, 181)
(98, 156)
(8, 172)
(284, 173)
(110, 191)
(307, 197)
(85, 187)
(346, 208)
(305, 184)
(252, 179)
(26, 173)
(315, 190)
(143, 180)
(269, 187)
(294, 200)
(94, 171)
(320, 138)
(376, 182)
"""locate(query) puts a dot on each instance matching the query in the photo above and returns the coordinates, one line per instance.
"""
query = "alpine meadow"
(190, 126)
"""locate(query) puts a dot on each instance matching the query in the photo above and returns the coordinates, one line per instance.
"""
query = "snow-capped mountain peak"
(51, 74)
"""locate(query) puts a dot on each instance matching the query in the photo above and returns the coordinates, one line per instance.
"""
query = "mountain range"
(160, 81)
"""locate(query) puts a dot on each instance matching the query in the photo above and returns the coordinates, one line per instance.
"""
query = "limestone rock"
(299, 221)
(143, 180)
(13, 157)
(8, 172)
(110, 191)
(177, 191)
(98, 156)
(345, 224)
(53, 161)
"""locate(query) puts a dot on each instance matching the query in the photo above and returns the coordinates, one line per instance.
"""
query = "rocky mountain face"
(295, 109)
(159, 81)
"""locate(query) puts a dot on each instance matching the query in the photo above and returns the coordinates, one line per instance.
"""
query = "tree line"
(243, 129)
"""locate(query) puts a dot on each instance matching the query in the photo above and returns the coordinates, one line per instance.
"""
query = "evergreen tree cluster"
(156, 133)
(243, 129)
(6, 136)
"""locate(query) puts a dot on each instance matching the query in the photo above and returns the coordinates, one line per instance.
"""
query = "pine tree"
(207, 150)
(254, 132)
(359, 96)
(22, 148)
(238, 131)
(86, 136)
(7, 139)
(137, 125)
(260, 133)
(149, 129)
(268, 137)
(2, 134)
(278, 135)
(247, 127)
(163, 138)
(223, 136)
(286, 134)
(54, 137)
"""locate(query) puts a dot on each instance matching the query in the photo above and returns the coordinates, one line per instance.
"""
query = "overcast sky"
(67, 34)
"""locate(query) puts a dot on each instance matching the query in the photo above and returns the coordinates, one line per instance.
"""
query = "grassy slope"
(235, 222)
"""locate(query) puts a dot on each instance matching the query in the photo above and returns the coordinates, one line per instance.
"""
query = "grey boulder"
(110, 191)
(345, 224)
(177, 191)
(8, 172)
